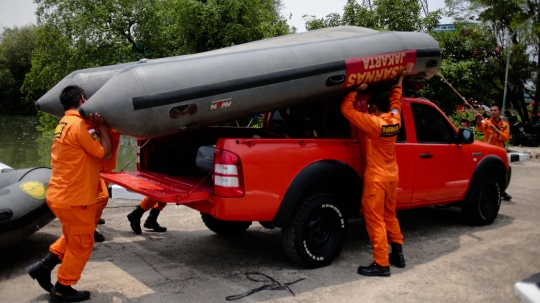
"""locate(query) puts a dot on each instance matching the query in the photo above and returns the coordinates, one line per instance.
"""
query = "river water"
(22, 146)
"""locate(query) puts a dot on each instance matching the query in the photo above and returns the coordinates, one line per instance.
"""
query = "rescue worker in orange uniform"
(151, 222)
(381, 127)
(102, 197)
(496, 132)
(71, 195)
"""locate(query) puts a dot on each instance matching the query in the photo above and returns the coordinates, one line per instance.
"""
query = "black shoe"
(98, 237)
(151, 222)
(396, 256)
(135, 220)
(62, 293)
(506, 197)
(374, 270)
(101, 221)
(41, 271)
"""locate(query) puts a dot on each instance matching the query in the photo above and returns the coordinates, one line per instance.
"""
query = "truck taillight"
(228, 179)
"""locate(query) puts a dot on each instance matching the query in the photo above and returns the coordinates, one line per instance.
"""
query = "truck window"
(401, 135)
(431, 126)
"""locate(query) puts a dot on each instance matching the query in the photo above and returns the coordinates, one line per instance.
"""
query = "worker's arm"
(363, 121)
(105, 135)
(503, 134)
(396, 93)
(480, 123)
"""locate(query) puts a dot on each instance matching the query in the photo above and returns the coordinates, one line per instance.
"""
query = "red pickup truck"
(302, 172)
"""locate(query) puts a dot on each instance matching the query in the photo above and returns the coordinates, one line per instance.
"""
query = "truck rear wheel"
(224, 228)
(316, 233)
(484, 203)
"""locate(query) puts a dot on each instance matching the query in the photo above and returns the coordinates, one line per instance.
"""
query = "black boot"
(41, 271)
(374, 270)
(396, 256)
(506, 197)
(135, 220)
(151, 222)
(98, 237)
(63, 293)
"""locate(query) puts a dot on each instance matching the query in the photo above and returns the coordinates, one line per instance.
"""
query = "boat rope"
(274, 285)
(136, 148)
(464, 100)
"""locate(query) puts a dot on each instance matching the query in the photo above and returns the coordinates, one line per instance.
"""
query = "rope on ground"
(274, 285)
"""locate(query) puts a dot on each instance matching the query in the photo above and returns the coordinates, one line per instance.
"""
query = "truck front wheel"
(224, 228)
(485, 200)
(316, 233)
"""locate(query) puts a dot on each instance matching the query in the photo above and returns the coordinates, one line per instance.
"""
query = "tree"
(388, 15)
(503, 17)
(213, 24)
(16, 48)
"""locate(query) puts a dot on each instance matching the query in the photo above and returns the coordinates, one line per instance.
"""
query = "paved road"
(447, 261)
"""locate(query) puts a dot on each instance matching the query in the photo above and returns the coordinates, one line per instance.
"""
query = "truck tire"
(224, 228)
(316, 233)
(484, 203)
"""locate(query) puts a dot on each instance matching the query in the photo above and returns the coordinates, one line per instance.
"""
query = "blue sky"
(21, 12)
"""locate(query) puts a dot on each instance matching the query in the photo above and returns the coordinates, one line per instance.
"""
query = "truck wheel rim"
(489, 200)
(322, 231)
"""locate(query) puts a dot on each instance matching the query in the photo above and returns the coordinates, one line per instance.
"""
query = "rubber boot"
(98, 237)
(374, 270)
(41, 271)
(396, 256)
(135, 220)
(63, 293)
(151, 221)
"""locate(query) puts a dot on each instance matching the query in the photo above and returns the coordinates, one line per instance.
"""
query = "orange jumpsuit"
(381, 176)
(106, 165)
(148, 203)
(496, 140)
(72, 191)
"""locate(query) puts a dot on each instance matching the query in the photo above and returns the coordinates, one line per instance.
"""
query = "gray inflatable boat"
(165, 96)
(23, 209)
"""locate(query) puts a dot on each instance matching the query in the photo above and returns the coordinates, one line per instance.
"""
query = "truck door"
(442, 166)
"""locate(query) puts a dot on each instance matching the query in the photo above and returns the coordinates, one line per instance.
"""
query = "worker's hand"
(96, 118)
(361, 87)
(493, 128)
(406, 70)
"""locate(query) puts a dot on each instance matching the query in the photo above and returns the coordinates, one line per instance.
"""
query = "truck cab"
(302, 170)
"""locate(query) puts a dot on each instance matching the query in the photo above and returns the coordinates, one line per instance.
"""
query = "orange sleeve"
(88, 142)
(363, 121)
(482, 126)
(395, 102)
(505, 133)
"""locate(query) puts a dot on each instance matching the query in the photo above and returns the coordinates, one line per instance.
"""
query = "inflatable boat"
(166, 96)
(23, 209)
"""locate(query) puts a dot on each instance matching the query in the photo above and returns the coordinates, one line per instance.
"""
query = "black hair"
(71, 96)
(381, 100)
(496, 104)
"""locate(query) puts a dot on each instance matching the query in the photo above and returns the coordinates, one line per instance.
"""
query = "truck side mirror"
(465, 136)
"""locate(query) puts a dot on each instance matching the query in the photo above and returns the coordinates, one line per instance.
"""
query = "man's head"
(72, 97)
(378, 102)
(495, 111)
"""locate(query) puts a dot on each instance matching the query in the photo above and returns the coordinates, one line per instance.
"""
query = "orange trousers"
(148, 203)
(75, 246)
(102, 197)
(379, 204)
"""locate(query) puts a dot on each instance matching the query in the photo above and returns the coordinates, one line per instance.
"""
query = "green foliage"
(213, 24)
(387, 15)
(47, 123)
(468, 116)
(16, 48)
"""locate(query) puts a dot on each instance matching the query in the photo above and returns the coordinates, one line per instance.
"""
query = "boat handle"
(6, 213)
(335, 80)
(426, 156)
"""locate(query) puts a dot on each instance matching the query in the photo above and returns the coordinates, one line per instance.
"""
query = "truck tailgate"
(164, 188)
